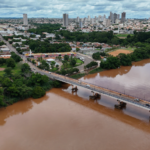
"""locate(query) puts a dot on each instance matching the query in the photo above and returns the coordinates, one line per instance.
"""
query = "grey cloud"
(83, 8)
(115, 0)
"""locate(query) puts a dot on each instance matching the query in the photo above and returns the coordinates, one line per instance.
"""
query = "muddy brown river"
(63, 120)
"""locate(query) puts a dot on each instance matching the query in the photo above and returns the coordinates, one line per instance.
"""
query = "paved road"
(87, 60)
(12, 49)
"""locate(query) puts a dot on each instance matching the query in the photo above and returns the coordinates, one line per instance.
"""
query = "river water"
(62, 120)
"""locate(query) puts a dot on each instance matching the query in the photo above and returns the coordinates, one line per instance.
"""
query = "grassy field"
(96, 70)
(54, 69)
(78, 63)
(80, 75)
(123, 35)
(16, 70)
(98, 49)
(77, 76)
(128, 48)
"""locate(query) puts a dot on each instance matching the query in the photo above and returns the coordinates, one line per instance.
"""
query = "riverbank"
(79, 75)
(20, 83)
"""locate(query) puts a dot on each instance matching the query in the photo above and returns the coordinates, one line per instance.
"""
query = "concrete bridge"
(122, 99)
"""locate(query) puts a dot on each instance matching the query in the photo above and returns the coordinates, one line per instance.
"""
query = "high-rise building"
(115, 17)
(108, 22)
(65, 20)
(112, 17)
(92, 20)
(118, 16)
(99, 18)
(88, 18)
(123, 17)
(80, 23)
(104, 21)
(25, 19)
(77, 19)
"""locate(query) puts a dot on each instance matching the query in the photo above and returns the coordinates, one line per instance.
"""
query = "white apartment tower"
(80, 23)
(78, 19)
(65, 20)
(25, 19)
(88, 18)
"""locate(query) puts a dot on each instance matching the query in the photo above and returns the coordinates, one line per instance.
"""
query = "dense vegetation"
(126, 60)
(91, 64)
(96, 56)
(102, 37)
(68, 71)
(137, 39)
(2, 43)
(45, 47)
(111, 63)
(45, 28)
(21, 85)
(14, 36)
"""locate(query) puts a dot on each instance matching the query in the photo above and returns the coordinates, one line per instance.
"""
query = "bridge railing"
(100, 91)
(101, 86)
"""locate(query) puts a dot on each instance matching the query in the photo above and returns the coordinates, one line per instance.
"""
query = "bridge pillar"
(95, 96)
(74, 89)
(121, 105)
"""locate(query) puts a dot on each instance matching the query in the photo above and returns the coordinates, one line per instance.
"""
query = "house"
(5, 50)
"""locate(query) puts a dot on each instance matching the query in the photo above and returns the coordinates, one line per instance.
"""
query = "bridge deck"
(116, 95)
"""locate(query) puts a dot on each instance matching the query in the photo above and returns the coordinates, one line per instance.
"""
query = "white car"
(88, 85)
(137, 100)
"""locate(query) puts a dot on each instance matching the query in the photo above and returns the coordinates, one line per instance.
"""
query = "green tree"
(2, 61)
(57, 84)
(77, 49)
(6, 82)
(8, 71)
(1, 97)
(33, 62)
(10, 63)
(110, 63)
(25, 68)
(73, 62)
(66, 57)
(53, 64)
(15, 57)
(13, 91)
(38, 92)
(125, 60)
(96, 56)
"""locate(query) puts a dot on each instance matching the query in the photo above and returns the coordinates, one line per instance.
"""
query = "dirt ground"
(1, 69)
(115, 53)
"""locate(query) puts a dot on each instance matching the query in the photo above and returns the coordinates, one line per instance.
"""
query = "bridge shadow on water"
(105, 105)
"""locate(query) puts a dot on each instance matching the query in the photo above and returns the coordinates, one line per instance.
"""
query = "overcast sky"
(81, 8)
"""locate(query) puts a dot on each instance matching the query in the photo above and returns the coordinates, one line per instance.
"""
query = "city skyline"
(55, 9)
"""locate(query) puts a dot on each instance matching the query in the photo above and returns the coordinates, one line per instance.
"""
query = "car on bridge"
(88, 85)
(148, 105)
(137, 100)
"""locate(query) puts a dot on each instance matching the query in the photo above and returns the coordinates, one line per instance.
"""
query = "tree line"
(22, 85)
(46, 47)
(126, 59)
(45, 28)
(102, 37)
